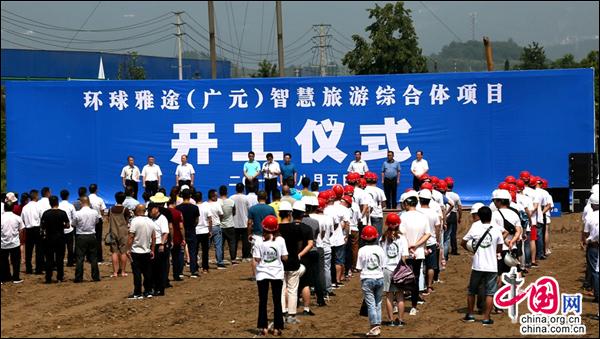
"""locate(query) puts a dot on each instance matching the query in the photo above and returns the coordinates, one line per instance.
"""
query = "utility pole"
(280, 38)
(211, 33)
(179, 41)
(323, 35)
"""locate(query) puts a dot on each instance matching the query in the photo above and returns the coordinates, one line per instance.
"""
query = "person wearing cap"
(390, 177)
(371, 263)
(270, 171)
(314, 260)
(484, 268)
(337, 238)
(453, 219)
(533, 215)
(527, 204)
(251, 172)
(324, 242)
(547, 215)
(418, 167)
(501, 219)
(151, 176)
(361, 199)
(589, 241)
(12, 233)
(142, 238)
(184, 173)
(433, 242)
(395, 246)
(378, 201)
(269, 253)
(130, 176)
(358, 165)
(85, 240)
(415, 226)
(353, 211)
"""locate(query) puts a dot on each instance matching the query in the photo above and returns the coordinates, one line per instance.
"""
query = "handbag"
(109, 239)
(510, 228)
(403, 274)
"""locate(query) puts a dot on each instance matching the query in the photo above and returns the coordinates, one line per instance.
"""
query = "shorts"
(488, 279)
(431, 260)
(340, 254)
(533, 233)
(388, 286)
(119, 246)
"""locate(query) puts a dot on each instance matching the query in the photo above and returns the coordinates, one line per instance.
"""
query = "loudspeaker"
(580, 198)
(560, 194)
(583, 170)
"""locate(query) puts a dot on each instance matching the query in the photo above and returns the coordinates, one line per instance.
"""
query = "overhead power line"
(441, 21)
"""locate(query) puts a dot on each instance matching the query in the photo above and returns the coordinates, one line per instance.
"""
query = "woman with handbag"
(395, 246)
(117, 236)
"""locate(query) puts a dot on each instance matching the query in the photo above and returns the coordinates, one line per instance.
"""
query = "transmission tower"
(321, 41)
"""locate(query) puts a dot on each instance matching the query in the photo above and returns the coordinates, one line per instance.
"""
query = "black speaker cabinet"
(583, 170)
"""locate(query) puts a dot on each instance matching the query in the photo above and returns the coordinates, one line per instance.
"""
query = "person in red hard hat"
(378, 196)
(371, 262)
(510, 180)
(395, 246)
(524, 175)
(269, 253)
(338, 190)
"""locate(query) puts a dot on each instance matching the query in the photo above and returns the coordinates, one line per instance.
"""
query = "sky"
(246, 29)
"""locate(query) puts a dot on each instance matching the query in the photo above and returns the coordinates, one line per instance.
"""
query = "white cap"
(299, 206)
(476, 206)
(285, 206)
(185, 187)
(501, 194)
(425, 194)
(411, 194)
(10, 197)
(402, 197)
(595, 189)
(594, 199)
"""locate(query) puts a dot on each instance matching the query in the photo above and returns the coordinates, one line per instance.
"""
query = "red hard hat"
(349, 190)
(449, 181)
(322, 203)
(352, 177)
(426, 186)
(512, 188)
(338, 190)
(369, 233)
(503, 186)
(362, 183)
(392, 220)
(442, 185)
(533, 181)
(347, 199)
(544, 183)
(323, 195)
(332, 194)
(510, 179)
(524, 175)
(434, 179)
(270, 223)
(370, 176)
(424, 177)
(520, 184)
(513, 195)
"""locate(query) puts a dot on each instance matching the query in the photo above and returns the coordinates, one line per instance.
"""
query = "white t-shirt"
(485, 259)
(498, 222)
(325, 231)
(252, 199)
(240, 219)
(339, 214)
(455, 198)
(415, 225)
(43, 205)
(202, 227)
(70, 210)
(587, 210)
(550, 201)
(151, 173)
(97, 204)
(131, 173)
(419, 167)
(185, 171)
(371, 261)
(359, 167)
(162, 227)
(31, 215)
(378, 196)
(394, 251)
(142, 228)
(271, 170)
(434, 221)
(437, 197)
(269, 252)
(214, 211)
(535, 199)
(362, 198)
(591, 226)
(354, 216)
(12, 224)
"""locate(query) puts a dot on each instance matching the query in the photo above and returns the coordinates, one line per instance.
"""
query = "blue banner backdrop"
(475, 127)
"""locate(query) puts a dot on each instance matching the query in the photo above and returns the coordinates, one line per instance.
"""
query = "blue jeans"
(539, 243)
(327, 270)
(192, 243)
(378, 224)
(373, 293)
(217, 239)
(527, 250)
(447, 235)
(592, 259)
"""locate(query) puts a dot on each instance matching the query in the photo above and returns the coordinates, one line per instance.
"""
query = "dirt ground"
(224, 303)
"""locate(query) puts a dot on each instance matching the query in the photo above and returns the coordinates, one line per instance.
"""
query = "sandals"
(374, 332)
(114, 275)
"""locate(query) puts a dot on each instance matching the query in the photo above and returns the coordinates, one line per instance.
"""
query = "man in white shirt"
(12, 233)
(378, 199)
(418, 167)
(44, 203)
(32, 219)
(485, 264)
(590, 226)
(160, 262)
(416, 228)
(433, 242)
(357, 165)
(215, 213)
(203, 230)
(141, 241)
(509, 223)
(86, 243)
(184, 174)
(270, 171)
(151, 176)
(99, 206)
(240, 221)
(66, 206)
(130, 176)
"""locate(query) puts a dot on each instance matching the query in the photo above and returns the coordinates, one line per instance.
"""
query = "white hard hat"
(299, 206)
(501, 194)
(594, 189)
(510, 261)
(310, 200)
(594, 199)
(285, 206)
(185, 187)
(411, 194)
(10, 197)
(476, 206)
(425, 194)
(470, 245)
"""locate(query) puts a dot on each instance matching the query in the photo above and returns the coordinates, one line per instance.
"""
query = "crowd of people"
(300, 243)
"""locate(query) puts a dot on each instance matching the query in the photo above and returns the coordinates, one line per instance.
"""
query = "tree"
(567, 61)
(265, 70)
(393, 46)
(506, 65)
(533, 57)
(130, 70)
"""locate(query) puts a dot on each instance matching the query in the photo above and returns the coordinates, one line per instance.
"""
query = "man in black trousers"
(53, 224)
